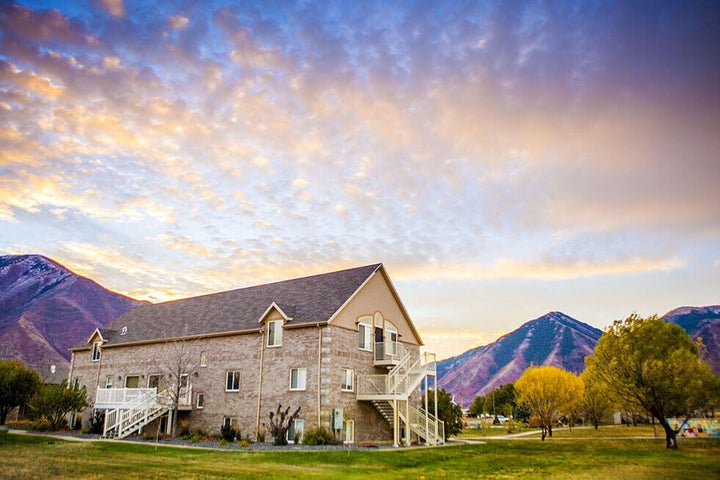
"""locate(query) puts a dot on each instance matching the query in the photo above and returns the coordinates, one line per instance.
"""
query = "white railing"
(399, 382)
(114, 397)
(426, 425)
(118, 397)
(126, 419)
(389, 353)
(397, 386)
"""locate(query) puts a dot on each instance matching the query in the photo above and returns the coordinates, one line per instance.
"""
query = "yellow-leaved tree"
(549, 392)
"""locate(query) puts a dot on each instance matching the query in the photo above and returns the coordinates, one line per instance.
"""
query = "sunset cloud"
(479, 149)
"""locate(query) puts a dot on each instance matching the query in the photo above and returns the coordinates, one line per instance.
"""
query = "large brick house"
(339, 345)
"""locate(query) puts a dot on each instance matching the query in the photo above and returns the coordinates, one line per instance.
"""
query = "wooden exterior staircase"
(391, 396)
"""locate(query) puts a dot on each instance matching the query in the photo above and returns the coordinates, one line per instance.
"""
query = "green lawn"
(42, 457)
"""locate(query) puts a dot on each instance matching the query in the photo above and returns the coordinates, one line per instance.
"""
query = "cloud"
(178, 21)
(28, 80)
(116, 8)
(510, 268)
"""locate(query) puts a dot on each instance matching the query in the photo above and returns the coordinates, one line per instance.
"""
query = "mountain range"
(554, 339)
(46, 309)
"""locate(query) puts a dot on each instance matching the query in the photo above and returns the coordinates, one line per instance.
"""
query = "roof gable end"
(274, 307)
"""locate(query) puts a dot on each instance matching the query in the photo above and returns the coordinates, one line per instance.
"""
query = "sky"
(501, 159)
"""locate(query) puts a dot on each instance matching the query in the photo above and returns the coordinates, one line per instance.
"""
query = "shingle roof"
(306, 300)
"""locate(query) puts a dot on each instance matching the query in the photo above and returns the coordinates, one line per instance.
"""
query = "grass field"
(43, 457)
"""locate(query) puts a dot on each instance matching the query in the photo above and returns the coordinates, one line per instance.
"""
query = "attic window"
(123, 331)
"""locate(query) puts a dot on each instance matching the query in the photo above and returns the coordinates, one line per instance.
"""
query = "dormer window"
(274, 333)
(123, 331)
(95, 356)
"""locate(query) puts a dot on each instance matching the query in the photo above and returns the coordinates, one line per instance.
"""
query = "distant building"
(340, 345)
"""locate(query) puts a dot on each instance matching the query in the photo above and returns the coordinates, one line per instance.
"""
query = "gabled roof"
(305, 301)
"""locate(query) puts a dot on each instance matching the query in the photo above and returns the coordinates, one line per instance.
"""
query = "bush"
(223, 443)
(228, 433)
(184, 427)
(97, 423)
(41, 425)
(260, 438)
(534, 422)
(245, 442)
(318, 436)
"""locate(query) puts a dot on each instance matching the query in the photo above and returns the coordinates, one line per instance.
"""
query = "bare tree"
(177, 361)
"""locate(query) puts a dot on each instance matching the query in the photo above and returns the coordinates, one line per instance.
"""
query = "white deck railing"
(119, 397)
(389, 353)
(115, 397)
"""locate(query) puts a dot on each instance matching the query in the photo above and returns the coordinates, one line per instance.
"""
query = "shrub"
(280, 424)
(41, 425)
(245, 442)
(97, 422)
(223, 443)
(260, 437)
(535, 422)
(184, 429)
(318, 436)
(228, 433)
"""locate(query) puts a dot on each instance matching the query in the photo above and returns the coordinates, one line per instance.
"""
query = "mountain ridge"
(45, 309)
(552, 339)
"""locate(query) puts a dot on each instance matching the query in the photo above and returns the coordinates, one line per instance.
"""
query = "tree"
(448, 411)
(653, 366)
(280, 424)
(500, 401)
(595, 402)
(548, 392)
(17, 385)
(177, 361)
(55, 402)
(478, 406)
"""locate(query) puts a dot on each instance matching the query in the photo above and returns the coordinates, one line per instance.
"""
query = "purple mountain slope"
(553, 339)
(45, 309)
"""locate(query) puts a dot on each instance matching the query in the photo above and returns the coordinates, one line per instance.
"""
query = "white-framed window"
(365, 338)
(76, 383)
(95, 355)
(200, 401)
(297, 428)
(203, 359)
(274, 333)
(229, 422)
(132, 381)
(298, 377)
(232, 381)
(154, 381)
(347, 380)
(391, 339)
(108, 381)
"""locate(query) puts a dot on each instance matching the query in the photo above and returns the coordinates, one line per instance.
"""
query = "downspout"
(319, 370)
(260, 381)
(72, 368)
(427, 394)
(97, 377)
